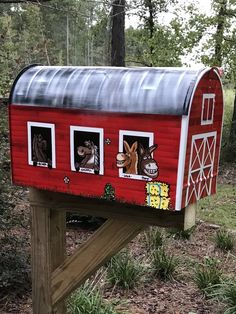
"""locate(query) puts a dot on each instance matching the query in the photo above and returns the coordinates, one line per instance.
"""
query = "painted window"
(87, 150)
(135, 158)
(208, 103)
(41, 144)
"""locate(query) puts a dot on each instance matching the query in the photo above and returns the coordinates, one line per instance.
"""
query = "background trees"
(78, 32)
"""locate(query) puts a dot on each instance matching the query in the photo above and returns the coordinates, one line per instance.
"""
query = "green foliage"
(14, 259)
(226, 149)
(32, 33)
(226, 292)
(224, 240)
(207, 275)
(229, 297)
(154, 238)
(88, 300)
(181, 234)
(124, 271)
(220, 208)
(166, 49)
(164, 264)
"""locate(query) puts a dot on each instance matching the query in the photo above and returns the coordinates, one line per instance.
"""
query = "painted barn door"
(201, 166)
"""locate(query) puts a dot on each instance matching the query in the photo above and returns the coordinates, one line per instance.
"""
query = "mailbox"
(144, 136)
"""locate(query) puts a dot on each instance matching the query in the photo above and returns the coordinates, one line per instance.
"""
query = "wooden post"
(54, 276)
(190, 216)
(48, 251)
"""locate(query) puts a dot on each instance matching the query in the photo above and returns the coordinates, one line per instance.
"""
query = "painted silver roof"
(109, 89)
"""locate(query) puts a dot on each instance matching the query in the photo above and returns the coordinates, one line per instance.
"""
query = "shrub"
(154, 238)
(88, 300)
(224, 240)
(163, 264)
(124, 271)
(208, 275)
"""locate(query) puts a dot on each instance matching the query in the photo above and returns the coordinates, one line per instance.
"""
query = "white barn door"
(201, 166)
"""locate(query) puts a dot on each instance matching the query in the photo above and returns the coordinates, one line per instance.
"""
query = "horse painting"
(89, 157)
(129, 159)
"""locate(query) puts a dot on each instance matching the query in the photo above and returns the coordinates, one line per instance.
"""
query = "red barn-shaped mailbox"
(145, 136)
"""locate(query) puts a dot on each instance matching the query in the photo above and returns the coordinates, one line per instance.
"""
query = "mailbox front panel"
(130, 158)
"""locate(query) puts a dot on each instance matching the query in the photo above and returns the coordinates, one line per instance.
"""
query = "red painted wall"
(211, 84)
(166, 135)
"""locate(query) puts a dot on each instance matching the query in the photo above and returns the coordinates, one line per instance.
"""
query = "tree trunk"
(118, 33)
(150, 22)
(219, 36)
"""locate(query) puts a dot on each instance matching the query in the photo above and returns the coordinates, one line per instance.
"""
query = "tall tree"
(223, 55)
(118, 33)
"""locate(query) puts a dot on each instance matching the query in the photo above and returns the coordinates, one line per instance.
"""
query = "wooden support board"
(108, 209)
(54, 276)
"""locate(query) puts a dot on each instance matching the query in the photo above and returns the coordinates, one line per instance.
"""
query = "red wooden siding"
(209, 84)
(166, 131)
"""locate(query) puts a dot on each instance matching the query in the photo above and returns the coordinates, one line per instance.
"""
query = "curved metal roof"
(109, 89)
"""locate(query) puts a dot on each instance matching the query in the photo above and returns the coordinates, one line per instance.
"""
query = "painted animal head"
(147, 165)
(128, 157)
(87, 149)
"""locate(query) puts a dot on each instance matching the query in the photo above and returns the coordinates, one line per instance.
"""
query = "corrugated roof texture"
(108, 89)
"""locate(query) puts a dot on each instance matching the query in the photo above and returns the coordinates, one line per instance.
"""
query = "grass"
(88, 300)
(124, 271)
(153, 238)
(208, 275)
(181, 234)
(163, 264)
(226, 292)
(224, 240)
(220, 208)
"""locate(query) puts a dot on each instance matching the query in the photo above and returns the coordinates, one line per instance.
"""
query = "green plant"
(226, 292)
(154, 238)
(229, 297)
(208, 275)
(124, 271)
(88, 300)
(163, 264)
(224, 240)
(14, 256)
(220, 208)
(181, 234)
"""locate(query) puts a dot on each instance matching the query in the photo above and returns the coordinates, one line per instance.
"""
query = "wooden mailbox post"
(137, 146)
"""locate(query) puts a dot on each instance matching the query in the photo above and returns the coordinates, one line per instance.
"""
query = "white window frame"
(122, 133)
(101, 148)
(41, 125)
(207, 97)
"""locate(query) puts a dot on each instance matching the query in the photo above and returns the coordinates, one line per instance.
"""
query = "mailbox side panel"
(58, 137)
(204, 139)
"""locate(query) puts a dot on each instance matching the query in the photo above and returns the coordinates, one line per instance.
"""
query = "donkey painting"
(90, 157)
(147, 165)
(129, 159)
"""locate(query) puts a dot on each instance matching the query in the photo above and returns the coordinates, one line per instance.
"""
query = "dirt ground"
(179, 296)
